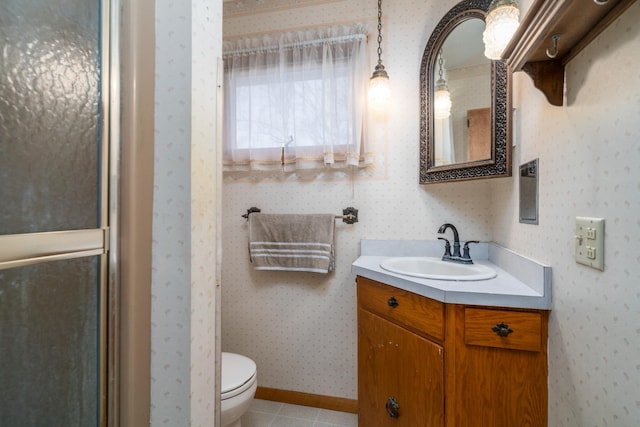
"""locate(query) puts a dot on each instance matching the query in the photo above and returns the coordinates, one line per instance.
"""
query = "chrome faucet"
(465, 257)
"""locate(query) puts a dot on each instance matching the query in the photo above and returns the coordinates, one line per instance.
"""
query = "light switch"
(589, 239)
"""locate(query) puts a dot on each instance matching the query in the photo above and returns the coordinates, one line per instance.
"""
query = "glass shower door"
(53, 217)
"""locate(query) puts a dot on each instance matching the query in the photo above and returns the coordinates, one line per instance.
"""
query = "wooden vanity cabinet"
(396, 360)
(448, 365)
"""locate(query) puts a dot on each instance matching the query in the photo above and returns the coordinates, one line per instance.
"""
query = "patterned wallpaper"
(589, 166)
(301, 329)
(171, 278)
(244, 7)
(206, 48)
(185, 214)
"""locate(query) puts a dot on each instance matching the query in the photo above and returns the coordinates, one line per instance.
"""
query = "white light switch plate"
(589, 235)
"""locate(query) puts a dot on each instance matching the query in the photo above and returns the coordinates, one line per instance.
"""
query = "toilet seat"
(238, 374)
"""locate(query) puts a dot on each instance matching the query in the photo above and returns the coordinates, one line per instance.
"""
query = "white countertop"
(521, 282)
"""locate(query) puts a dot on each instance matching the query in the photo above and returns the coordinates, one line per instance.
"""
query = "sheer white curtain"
(296, 100)
(443, 135)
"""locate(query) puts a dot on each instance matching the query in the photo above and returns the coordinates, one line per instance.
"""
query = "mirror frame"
(499, 165)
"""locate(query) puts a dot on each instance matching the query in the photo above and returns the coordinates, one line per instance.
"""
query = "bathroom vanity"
(448, 353)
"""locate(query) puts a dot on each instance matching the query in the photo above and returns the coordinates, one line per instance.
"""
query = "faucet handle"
(447, 246)
(465, 249)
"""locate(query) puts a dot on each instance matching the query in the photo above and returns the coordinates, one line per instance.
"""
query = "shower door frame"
(20, 250)
(110, 325)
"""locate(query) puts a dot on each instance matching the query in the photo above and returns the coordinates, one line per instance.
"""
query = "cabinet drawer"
(508, 329)
(419, 313)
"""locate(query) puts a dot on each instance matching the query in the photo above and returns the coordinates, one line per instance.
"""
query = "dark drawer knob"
(393, 302)
(502, 329)
(392, 407)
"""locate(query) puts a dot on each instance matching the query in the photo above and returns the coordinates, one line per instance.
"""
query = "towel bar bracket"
(349, 215)
(249, 212)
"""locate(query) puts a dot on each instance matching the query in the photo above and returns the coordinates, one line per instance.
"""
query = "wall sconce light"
(501, 22)
(379, 91)
(441, 96)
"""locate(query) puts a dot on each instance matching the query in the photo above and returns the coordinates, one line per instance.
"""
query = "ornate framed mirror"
(467, 136)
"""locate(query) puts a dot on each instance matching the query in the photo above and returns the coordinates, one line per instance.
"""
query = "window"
(296, 100)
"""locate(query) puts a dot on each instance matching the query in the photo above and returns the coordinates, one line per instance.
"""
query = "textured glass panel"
(49, 115)
(49, 363)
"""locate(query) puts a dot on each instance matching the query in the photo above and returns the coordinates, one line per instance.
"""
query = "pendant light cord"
(379, 32)
(440, 61)
(379, 71)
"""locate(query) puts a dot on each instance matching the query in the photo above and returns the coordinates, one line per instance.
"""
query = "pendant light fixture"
(500, 24)
(441, 96)
(379, 91)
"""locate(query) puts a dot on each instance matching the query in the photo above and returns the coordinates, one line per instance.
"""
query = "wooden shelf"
(577, 22)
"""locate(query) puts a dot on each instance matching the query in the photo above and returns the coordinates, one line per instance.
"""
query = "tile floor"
(265, 413)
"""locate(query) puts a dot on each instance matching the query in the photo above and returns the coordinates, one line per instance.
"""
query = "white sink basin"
(435, 268)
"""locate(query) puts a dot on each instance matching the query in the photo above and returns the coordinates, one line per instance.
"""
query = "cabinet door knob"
(502, 329)
(392, 407)
(393, 302)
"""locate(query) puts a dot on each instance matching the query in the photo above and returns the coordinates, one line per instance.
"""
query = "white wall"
(301, 329)
(469, 90)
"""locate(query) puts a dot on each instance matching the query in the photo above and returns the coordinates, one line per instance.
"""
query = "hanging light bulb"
(379, 91)
(500, 24)
(441, 96)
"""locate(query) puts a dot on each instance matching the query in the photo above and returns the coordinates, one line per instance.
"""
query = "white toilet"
(239, 383)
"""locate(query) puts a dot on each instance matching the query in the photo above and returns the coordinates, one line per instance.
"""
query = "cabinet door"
(500, 384)
(395, 363)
